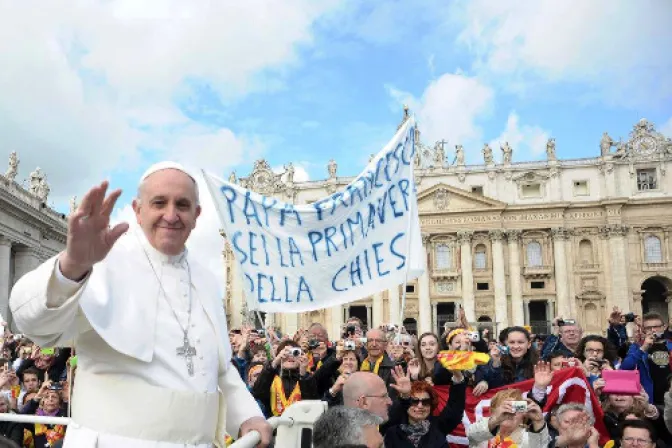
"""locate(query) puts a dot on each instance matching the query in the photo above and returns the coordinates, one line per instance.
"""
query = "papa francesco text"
(281, 244)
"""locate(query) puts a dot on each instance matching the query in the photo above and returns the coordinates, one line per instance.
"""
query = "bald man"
(365, 390)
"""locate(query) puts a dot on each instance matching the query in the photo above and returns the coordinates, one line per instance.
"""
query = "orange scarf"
(366, 365)
(279, 401)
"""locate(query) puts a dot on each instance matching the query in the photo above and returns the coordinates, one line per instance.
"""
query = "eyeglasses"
(422, 401)
(385, 396)
(377, 341)
(635, 441)
(653, 327)
(596, 351)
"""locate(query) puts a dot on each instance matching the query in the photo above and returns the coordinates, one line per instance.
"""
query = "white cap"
(166, 165)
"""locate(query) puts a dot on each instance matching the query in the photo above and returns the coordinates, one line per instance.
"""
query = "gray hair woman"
(12, 431)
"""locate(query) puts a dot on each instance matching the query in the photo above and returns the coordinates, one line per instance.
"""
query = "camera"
(55, 386)
(313, 344)
(473, 336)
(630, 317)
(658, 336)
(503, 349)
(349, 345)
(566, 322)
(519, 407)
(391, 327)
(566, 364)
(295, 352)
(350, 330)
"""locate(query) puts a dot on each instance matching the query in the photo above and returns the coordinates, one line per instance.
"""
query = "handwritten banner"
(354, 243)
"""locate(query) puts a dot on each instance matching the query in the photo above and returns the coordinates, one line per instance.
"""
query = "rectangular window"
(530, 190)
(537, 285)
(410, 289)
(482, 286)
(581, 188)
(478, 189)
(646, 179)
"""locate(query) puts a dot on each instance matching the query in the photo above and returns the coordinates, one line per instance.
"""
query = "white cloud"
(619, 50)
(300, 171)
(524, 139)
(450, 108)
(666, 128)
(86, 85)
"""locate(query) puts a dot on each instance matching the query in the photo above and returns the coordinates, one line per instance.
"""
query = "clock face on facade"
(644, 144)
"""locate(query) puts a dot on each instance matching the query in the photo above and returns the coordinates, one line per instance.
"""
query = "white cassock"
(132, 390)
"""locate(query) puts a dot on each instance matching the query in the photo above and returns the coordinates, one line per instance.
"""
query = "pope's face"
(167, 210)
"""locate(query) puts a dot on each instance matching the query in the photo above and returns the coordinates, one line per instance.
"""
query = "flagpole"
(409, 233)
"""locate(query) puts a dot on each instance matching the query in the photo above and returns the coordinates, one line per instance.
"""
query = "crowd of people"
(381, 384)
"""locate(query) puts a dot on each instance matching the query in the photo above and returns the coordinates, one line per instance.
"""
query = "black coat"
(12, 431)
(262, 387)
(440, 426)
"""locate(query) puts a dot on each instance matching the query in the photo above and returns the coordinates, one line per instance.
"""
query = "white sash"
(127, 407)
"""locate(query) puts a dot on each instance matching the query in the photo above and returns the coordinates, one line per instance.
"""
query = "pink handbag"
(621, 382)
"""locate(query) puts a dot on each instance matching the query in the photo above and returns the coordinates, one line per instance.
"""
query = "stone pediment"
(444, 198)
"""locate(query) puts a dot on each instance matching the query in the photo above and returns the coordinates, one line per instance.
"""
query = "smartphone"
(47, 351)
(73, 361)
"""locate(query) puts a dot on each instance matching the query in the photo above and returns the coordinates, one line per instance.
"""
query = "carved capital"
(560, 233)
(465, 236)
(613, 230)
(425, 238)
(6, 242)
(513, 235)
(496, 235)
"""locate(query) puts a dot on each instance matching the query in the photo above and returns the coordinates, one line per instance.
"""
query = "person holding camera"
(377, 360)
(567, 339)
(596, 354)
(513, 421)
(651, 357)
(346, 364)
(285, 380)
(47, 403)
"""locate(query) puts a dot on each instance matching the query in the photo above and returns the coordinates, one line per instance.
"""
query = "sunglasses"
(422, 401)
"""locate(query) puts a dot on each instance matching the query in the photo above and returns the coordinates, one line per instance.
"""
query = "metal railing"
(294, 427)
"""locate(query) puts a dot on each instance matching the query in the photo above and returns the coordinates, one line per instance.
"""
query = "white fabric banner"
(356, 242)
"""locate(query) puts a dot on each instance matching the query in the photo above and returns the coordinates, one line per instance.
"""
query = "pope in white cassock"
(147, 322)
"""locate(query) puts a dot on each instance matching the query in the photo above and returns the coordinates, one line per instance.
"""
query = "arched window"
(586, 252)
(534, 254)
(481, 257)
(444, 256)
(653, 250)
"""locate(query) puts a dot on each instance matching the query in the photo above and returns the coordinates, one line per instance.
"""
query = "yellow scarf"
(366, 365)
(311, 363)
(279, 401)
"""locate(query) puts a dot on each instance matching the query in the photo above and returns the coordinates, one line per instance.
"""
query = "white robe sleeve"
(45, 305)
(240, 404)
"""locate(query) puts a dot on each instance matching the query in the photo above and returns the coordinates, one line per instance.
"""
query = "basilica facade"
(514, 243)
(31, 231)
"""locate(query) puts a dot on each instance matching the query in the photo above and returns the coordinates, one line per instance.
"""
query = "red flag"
(568, 386)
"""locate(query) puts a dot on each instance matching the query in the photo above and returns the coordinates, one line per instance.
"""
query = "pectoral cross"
(188, 351)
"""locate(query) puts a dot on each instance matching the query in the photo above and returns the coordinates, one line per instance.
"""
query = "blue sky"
(106, 88)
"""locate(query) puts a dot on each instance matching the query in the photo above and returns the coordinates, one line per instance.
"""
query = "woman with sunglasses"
(418, 427)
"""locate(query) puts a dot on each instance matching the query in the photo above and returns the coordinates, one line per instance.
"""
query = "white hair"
(342, 426)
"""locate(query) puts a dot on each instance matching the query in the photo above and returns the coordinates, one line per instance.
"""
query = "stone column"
(619, 270)
(5, 277)
(336, 322)
(499, 278)
(424, 302)
(571, 291)
(467, 274)
(435, 318)
(393, 302)
(290, 324)
(526, 310)
(517, 310)
(369, 317)
(561, 281)
(637, 296)
(378, 317)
